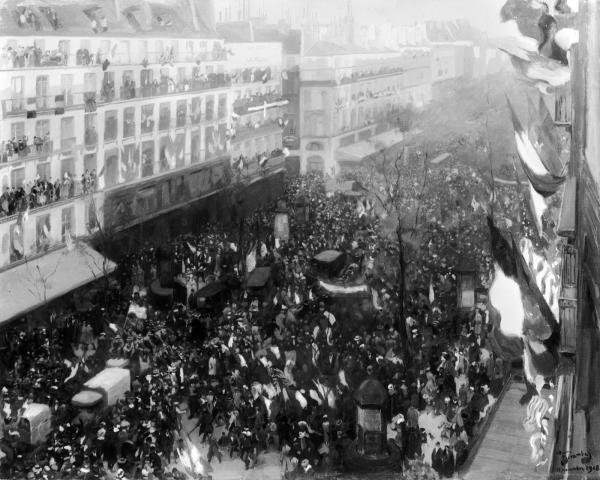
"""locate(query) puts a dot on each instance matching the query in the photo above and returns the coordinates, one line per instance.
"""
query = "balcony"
(258, 102)
(43, 194)
(32, 57)
(366, 74)
(251, 167)
(242, 133)
(254, 75)
(18, 150)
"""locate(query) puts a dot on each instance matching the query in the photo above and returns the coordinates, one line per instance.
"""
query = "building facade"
(258, 104)
(114, 115)
(579, 414)
(350, 97)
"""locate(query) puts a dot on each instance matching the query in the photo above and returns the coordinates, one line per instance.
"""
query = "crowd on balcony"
(252, 75)
(31, 56)
(18, 148)
(259, 99)
(369, 73)
(44, 191)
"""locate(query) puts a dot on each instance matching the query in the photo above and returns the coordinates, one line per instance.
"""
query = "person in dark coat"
(437, 458)
(447, 463)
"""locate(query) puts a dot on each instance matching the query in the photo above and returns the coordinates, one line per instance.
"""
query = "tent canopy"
(36, 282)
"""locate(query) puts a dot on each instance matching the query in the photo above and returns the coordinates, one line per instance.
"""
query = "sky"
(483, 14)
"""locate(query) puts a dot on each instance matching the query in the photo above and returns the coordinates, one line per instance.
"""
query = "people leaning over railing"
(44, 191)
(17, 148)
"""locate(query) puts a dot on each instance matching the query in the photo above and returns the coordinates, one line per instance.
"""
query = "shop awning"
(41, 280)
(355, 152)
(387, 139)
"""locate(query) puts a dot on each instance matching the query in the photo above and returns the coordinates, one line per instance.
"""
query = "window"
(41, 92)
(42, 227)
(43, 170)
(158, 50)
(89, 162)
(17, 177)
(67, 166)
(66, 223)
(17, 130)
(110, 125)
(67, 133)
(66, 82)
(129, 122)
(17, 85)
(181, 113)
(210, 107)
(91, 133)
(111, 167)
(89, 82)
(164, 118)
(147, 158)
(189, 49)
(222, 106)
(16, 242)
(147, 119)
(107, 94)
(196, 113)
(42, 128)
(128, 87)
(143, 50)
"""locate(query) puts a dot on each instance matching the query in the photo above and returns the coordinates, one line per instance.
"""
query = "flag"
(360, 209)
(315, 396)
(545, 182)
(25, 217)
(539, 319)
(262, 160)
(286, 152)
(233, 246)
(300, 399)
(284, 74)
(100, 178)
(251, 260)
(342, 378)
(544, 135)
(475, 204)
(192, 248)
(239, 163)
(263, 250)
(541, 72)
(431, 292)
(538, 206)
(376, 302)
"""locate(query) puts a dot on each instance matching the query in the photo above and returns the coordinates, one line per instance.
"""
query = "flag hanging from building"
(543, 181)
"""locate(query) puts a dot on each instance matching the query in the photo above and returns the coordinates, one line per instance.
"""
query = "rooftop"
(155, 18)
(249, 31)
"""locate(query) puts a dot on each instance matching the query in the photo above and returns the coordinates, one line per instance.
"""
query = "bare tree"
(383, 179)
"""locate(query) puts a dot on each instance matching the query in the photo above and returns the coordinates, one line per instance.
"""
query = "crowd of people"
(43, 191)
(274, 369)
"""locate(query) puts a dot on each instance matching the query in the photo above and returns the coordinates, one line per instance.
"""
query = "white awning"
(31, 284)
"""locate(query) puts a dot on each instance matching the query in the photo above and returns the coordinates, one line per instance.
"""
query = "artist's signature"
(579, 468)
(584, 457)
